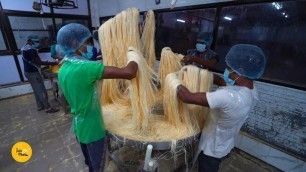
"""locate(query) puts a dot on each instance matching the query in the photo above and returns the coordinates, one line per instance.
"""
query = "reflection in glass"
(179, 30)
(279, 29)
(21, 37)
(20, 23)
(60, 22)
(23, 26)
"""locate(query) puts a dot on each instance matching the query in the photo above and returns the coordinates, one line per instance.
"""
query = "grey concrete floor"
(54, 146)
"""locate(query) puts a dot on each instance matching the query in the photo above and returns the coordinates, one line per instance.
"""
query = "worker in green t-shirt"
(77, 78)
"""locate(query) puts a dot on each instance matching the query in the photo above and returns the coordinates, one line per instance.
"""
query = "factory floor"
(55, 148)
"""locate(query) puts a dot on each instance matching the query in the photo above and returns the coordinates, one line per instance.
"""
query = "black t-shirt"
(28, 55)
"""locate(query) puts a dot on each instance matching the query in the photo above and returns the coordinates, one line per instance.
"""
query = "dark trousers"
(209, 164)
(39, 89)
(94, 154)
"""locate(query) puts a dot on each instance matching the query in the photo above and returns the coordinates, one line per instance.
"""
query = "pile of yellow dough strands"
(131, 109)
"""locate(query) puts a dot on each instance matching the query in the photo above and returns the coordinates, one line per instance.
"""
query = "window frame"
(45, 49)
(5, 40)
(11, 46)
(219, 6)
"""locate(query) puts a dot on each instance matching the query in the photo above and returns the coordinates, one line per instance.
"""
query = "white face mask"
(89, 53)
(201, 47)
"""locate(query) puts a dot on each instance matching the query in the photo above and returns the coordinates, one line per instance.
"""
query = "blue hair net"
(206, 37)
(246, 60)
(33, 37)
(71, 37)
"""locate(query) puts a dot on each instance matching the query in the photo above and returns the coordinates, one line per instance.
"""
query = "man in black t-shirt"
(31, 63)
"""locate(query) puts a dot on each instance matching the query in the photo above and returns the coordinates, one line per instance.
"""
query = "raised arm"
(209, 64)
(191, 98)
(39, 62)
(206, 63)
(129, 72)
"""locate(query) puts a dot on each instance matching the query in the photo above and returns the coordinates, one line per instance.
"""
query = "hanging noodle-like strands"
(133, 36)
(174, 109)
(206, 83)
(142, 91)
(129, 103)
(179, 56)
(197, 80)
(169, 63)
(116, 35)
(109, 94)
(147, 39)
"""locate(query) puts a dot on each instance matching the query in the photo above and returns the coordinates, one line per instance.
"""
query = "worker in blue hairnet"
(32, 63)
(231, 104)
(202, 56)
(77, 78)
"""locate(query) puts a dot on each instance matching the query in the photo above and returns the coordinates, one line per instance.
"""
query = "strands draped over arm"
(142, 91)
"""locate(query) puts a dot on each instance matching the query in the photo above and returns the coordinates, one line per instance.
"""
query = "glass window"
(21, 5)
(81, 10)
(281, 36)
(2, 44)
(9, 73)
(60, 22)
(179, 30)
(23, 26)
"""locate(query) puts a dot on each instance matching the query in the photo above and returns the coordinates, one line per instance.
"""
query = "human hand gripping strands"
(197, 80)
(142, 91)
(174, 109)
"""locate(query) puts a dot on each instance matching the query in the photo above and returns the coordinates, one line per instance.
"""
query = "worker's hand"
(181, 92)
(131, 69)
(178, 88)
(187, 59)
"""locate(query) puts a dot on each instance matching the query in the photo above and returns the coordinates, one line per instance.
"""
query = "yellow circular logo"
(21, 152)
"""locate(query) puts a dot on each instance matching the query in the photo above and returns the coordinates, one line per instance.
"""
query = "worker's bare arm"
(191, 98)
(129, 72)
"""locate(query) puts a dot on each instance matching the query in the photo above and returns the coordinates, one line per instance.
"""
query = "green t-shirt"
(77, 80)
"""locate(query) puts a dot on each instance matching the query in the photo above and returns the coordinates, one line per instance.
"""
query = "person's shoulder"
(228, 90)
(212, 52)
(31, 52)
(92, 64)
(27, 48)
(237, 91)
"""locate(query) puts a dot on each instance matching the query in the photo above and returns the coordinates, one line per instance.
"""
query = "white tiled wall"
(269, 154)
(279, 117)
(20, 90)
